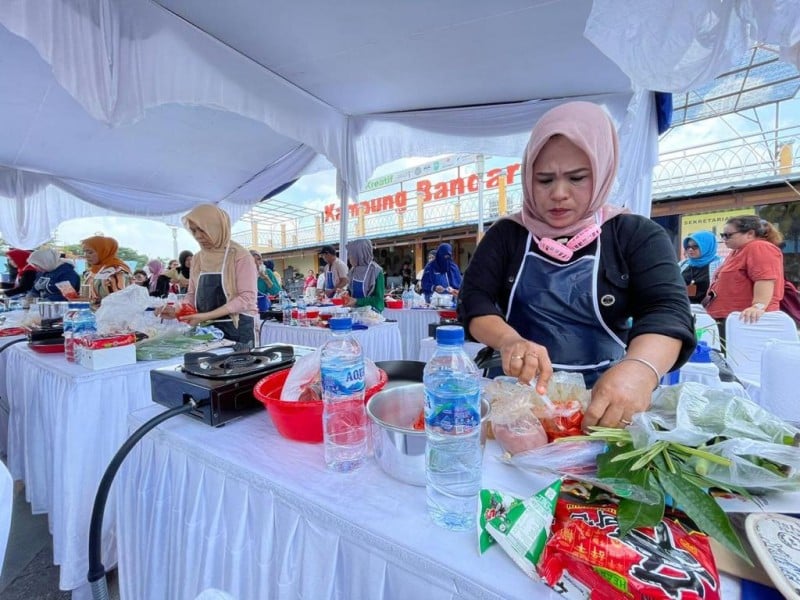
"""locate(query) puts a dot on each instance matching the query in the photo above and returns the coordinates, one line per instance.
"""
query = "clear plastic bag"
(560, 412)
(514, 425)
(758, 444)
(303, 381)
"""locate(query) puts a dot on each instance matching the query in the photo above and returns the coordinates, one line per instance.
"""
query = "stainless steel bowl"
(399, 449)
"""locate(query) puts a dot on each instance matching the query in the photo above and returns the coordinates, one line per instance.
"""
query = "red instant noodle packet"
(666, 562)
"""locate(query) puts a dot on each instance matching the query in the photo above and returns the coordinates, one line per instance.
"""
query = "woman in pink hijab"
(572, 283)
(158, 282)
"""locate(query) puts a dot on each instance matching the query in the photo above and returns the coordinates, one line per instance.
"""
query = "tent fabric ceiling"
(148, 107)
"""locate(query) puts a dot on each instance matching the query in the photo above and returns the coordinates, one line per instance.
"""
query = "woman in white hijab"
(52, 271)
(367, 282)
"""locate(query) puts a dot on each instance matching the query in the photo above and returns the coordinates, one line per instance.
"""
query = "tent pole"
(479, 167)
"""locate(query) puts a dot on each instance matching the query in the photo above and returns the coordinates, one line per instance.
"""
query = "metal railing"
(435, 214)
(763, 155)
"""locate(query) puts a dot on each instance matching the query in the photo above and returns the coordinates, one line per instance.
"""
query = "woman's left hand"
(195, 319)
(623, 390)
(351, 302)
(751, 314)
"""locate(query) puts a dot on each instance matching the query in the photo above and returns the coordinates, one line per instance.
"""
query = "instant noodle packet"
(664, 562)
(523, 529)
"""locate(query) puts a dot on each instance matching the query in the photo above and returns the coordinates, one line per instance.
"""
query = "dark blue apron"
(554, 304)
(330, 284)
(209, 295)
(357, 285)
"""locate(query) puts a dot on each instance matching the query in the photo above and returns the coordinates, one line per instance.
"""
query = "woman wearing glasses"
(700, 264)
(751, 278)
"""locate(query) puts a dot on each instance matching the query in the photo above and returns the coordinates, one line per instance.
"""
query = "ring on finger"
(516, 356)
(625, 421)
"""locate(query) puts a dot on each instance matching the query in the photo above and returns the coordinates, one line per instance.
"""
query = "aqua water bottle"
(453, 457)
(344, 418)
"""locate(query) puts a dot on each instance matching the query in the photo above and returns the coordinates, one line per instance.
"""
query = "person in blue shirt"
(52, 270)
(700, 264)
(441, 275)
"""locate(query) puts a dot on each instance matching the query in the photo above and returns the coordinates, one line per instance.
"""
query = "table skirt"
(66, 423)
(413, 324)
(245, 511)
(378, 342)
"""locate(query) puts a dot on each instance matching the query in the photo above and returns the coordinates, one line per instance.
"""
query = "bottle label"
(343, 381)
(454, 416)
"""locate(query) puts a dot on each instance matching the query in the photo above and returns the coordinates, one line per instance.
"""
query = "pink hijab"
(156, 268)
(590, 128)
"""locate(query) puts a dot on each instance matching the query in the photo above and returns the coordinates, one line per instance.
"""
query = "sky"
(155, 239)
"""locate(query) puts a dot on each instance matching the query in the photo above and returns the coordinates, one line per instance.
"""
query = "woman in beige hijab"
(222, 280)
(575, 284)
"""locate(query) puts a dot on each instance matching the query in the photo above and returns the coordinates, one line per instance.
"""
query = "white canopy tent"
(148, 107)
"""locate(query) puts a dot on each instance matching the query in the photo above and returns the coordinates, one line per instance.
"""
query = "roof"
(149, 107)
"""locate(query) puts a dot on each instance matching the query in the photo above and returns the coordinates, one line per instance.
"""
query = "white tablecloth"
(4, 408)
(413, 324)
(13, 318)
(427, 346)
(379, 342)
(246, 511)
(66, 423)
(243, 510)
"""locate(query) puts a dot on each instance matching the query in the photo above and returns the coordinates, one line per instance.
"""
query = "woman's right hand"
(166, 312)
(526, 361)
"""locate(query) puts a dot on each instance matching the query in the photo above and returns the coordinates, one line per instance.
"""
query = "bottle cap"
(340, 323)
(450, 335)
(702, 353)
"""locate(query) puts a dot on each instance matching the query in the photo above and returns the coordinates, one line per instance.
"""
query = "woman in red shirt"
(751, 278)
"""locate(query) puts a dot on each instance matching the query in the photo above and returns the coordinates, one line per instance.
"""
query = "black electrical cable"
(97, 571)
(11, 343)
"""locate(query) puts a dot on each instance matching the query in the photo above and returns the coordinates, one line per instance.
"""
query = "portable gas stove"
(226, 381)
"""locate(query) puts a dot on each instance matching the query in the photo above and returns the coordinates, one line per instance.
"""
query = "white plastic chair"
(707, 327)
(780, 379)
(6, 502)
(745, 344)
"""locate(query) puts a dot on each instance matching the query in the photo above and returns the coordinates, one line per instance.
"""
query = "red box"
(299, 421)
(394, 304)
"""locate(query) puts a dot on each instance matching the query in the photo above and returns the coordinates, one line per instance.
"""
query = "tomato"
(419, 422)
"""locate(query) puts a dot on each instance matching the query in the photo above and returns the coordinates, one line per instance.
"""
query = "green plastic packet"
(522, 531)
(492, 504)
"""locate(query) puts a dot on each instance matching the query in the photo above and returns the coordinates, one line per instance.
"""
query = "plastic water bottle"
(408, 298)
(84, 325)
(69, 342)
(344, 419)
(286, 308)
(453, 457)
(301, 311)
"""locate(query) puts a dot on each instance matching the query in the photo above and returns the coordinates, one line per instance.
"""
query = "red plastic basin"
(299, 421)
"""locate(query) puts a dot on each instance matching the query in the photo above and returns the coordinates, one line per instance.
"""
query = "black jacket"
(162, 287)
(25, 284)
(637, 268)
